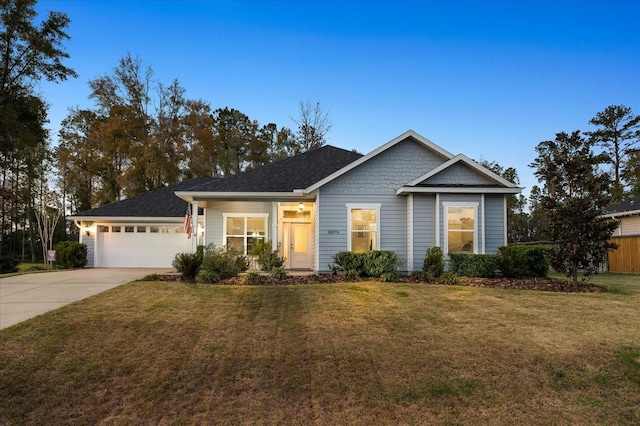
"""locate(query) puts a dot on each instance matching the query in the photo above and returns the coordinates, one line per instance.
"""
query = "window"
(103, 228)
(128, 229)
(154, 229)
(241, 231)
(142, 229)
(115, 229)
(461, 227)
(364, 226)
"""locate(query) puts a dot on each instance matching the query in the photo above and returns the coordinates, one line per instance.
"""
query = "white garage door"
(140, 246)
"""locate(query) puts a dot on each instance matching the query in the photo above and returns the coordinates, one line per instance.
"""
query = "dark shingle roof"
(286, 175)
(159, 203)
(628, 205)
(297, 172)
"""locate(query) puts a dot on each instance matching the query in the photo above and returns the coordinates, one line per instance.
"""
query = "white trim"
(203, 195)
(274, 225)
(363, 206)
(504, 202)
(469, 162)
(484, 222)
(118, 219)
(408, 134)
(316, 220)
(437, 218)
(456, 190)
(264, 216)
(410, 232)
(622, 214)
(471, 204)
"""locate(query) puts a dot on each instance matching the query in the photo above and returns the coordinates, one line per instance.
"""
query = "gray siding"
(91, 248)
(494, 222)
(374, 181)
(423, 227)
(214, 218)
(459, 174)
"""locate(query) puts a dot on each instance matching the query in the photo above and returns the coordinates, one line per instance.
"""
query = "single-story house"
(626, 258)
(406, 196)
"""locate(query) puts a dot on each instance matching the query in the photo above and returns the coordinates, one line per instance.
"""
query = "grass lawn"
(352, 353)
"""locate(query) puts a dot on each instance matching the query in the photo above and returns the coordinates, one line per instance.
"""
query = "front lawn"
(348, 353)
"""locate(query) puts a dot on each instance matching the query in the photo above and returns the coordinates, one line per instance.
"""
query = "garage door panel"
(141, 249)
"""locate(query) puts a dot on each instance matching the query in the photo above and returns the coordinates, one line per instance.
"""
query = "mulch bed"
(539, 284)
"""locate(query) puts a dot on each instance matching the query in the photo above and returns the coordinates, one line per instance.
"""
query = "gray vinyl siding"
(216, 209)
(424, 207)
(459, 174)
(494, 222)
(373, 182)
(91, 249)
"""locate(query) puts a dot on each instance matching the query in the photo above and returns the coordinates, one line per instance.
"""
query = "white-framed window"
(363, 221)
(460, 227)
(241, 230)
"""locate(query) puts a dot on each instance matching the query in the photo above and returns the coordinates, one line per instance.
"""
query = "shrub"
(389, 277)
(8, 265)
(434, 262)
(219, 264)
(523, 261)
(372, 263)
(377, 262)
(278, 273)
(71, 254)
(449, 278)
(421, 276)
(189, 263)
(267, 259)
(351, 274)
(346, 261)
(473, 265)
(254, 278)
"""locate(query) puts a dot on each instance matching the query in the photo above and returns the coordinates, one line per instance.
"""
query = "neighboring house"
(406, 196)
(626, 258)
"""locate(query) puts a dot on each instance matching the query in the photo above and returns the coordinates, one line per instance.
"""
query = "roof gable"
(461, 170)
(410, 134)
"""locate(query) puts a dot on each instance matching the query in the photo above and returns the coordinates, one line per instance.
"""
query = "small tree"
(575, 195)
(618, 131)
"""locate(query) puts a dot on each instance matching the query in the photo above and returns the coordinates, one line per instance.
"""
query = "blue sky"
(489, 79)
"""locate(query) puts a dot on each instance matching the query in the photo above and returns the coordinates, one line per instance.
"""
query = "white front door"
(297, 238)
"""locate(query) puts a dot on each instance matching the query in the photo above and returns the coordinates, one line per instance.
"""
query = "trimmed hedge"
(71, 254)
(473, 265)
(523, 261)
(219, 264)
(433, 263)
(372, 263)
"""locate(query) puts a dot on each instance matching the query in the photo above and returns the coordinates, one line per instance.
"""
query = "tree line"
(142, 134)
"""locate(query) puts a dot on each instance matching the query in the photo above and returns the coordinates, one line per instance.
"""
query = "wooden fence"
(627, 257)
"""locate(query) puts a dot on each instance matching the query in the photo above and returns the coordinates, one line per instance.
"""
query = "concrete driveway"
(26, 296)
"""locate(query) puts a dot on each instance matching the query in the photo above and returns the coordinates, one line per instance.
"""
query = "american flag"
(187, 221)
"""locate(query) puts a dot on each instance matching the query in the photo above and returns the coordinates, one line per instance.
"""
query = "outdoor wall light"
(301, 206)
(88, 232)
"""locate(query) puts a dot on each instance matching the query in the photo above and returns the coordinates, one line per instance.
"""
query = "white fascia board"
(130, 219)
(456, 190)
(622, 214)
(410, 133)
(191, 196)
(463, 158)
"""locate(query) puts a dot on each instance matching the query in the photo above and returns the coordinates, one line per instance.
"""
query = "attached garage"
(139, 245)
(145, 231)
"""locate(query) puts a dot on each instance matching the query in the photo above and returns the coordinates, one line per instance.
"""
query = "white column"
(274, 226)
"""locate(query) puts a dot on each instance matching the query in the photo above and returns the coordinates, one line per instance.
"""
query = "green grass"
(616, 282)
(352, 353)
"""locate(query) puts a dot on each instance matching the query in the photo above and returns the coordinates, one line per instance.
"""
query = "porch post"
(274, 225)
(194, 226)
